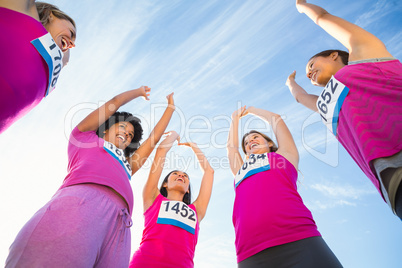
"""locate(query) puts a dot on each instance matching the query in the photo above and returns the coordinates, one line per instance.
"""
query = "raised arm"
(141, 154)
(201, 203)
(95, 119)
(151, 189)
(301, 96)
(360, 43)
(286, 145)
(23, 6)
(235, 160)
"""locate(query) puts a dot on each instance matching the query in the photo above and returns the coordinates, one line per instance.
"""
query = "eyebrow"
(125, 125)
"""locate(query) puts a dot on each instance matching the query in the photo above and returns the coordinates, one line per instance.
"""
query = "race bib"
(177, 213)
(118, 154)
(256, 163)
(330, 101)
(53, 57)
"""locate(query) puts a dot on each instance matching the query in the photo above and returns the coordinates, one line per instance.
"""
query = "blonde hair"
(45, 10)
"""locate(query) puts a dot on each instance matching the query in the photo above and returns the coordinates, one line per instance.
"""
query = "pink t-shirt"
(23, 72)
(370, 120)
(268, 211)
(168, 240)
(93, 160)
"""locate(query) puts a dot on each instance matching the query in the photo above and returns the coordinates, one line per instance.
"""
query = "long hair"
(274, 148)
(46, 9)
(163, 191)
(127, 117)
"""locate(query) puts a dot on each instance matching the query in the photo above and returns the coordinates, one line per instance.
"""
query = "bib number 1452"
(179, 214)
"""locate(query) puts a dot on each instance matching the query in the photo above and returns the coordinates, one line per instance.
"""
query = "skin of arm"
(360, 43)
(151, 190)
(141, 154)
(286, 145)
(235, 159)
(301, 96)
(95, 119)
(201, 203)
(26, 7)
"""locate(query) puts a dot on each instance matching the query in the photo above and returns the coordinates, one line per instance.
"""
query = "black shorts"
(311, 252)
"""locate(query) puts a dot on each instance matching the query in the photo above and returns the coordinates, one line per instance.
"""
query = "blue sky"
(215, 56)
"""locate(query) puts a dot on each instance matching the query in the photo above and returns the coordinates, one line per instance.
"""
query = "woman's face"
(178, 180)
(120, 134)
(255, 143)
(63, 33)
(320, 69)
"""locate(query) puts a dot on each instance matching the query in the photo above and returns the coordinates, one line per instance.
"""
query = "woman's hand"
(291, 79)
(170, 138)
(144, 92)
(189, 144)
(170, 101)
(299, 4)
(239, 113)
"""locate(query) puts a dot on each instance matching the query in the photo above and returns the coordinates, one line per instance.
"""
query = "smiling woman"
(32, 54)
(361, 100)
(171, 220)
(273, 227)
(87, 222)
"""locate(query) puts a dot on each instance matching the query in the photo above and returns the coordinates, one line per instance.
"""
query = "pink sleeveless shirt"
(370, 120)
(164, 243)
(268, 211)
(23, 72)
(91, 160)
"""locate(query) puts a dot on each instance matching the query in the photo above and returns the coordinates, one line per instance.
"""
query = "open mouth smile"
(121, 137)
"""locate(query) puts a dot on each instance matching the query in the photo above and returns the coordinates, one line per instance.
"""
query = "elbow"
(277, 117)
(209, 170)
(321, 16)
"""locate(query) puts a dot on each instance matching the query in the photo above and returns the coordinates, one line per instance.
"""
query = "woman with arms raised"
(87, 222)
(171, 220)
(361, 100)
(273, 227)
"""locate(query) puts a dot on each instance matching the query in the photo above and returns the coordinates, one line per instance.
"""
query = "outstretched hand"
(189, 144)
(145, 92)
(170, 138)
(299, 4)
(291, 78)
(239, 113)
(170, 100)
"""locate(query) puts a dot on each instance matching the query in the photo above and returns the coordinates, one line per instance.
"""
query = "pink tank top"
(94, 160)
(23, 72)
(268, 211)
(370, 120)
(169, 237)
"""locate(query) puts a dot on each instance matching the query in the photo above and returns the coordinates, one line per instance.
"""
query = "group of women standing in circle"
(87, 222)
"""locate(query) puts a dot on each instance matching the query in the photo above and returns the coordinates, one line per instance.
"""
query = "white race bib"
(118, 154)
(330, 101)
(256, 163)
(177, 213)
(53, 56)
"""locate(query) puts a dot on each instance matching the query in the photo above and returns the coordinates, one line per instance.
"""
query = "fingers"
(170, 96)
(146, 92)
(188, 144)
(291, 77)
